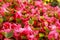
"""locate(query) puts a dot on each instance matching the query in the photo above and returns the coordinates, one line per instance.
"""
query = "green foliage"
(54, 3)
(31, 21)
(18, 20)
(8, 0)
(4, 18)
(46, 29)
(8, 35)
(24, 37)
(1, 20)
(41, 35)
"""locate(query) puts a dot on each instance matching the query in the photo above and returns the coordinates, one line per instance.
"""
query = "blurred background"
(52, 2)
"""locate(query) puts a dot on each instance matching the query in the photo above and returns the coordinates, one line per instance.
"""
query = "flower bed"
(29, 20)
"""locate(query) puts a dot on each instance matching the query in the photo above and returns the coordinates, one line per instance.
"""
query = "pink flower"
(44, 9)
(33, 11)
(53, 27)
(30, 37)
(6, 39)
(5, 5)
(6, 25)
(38, 3)
(13, 26)
(1, 36)
(17, 15)
(7, 30)
(53, 34)
(1, 0)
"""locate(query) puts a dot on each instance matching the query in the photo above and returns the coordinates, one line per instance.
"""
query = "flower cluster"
(29, 20)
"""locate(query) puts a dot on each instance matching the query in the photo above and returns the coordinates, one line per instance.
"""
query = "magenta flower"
(0, 0)
(53, 34)
(6, 25)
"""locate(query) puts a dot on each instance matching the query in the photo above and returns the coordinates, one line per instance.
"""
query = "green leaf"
(46, 29)
(8, 0)
(34, 18)
(18, 20)
(35, 28)
(6, 14)
(29, 1)
(58, 30)
(31, 21)
(1, 20)
(54, 3)
(41, 35)
(12, 6)
(23, 37)
(58, 3)
(3, 33)
(4, 18)
(42, 17)
(8, 35)
(56, 15)
(11, 19)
